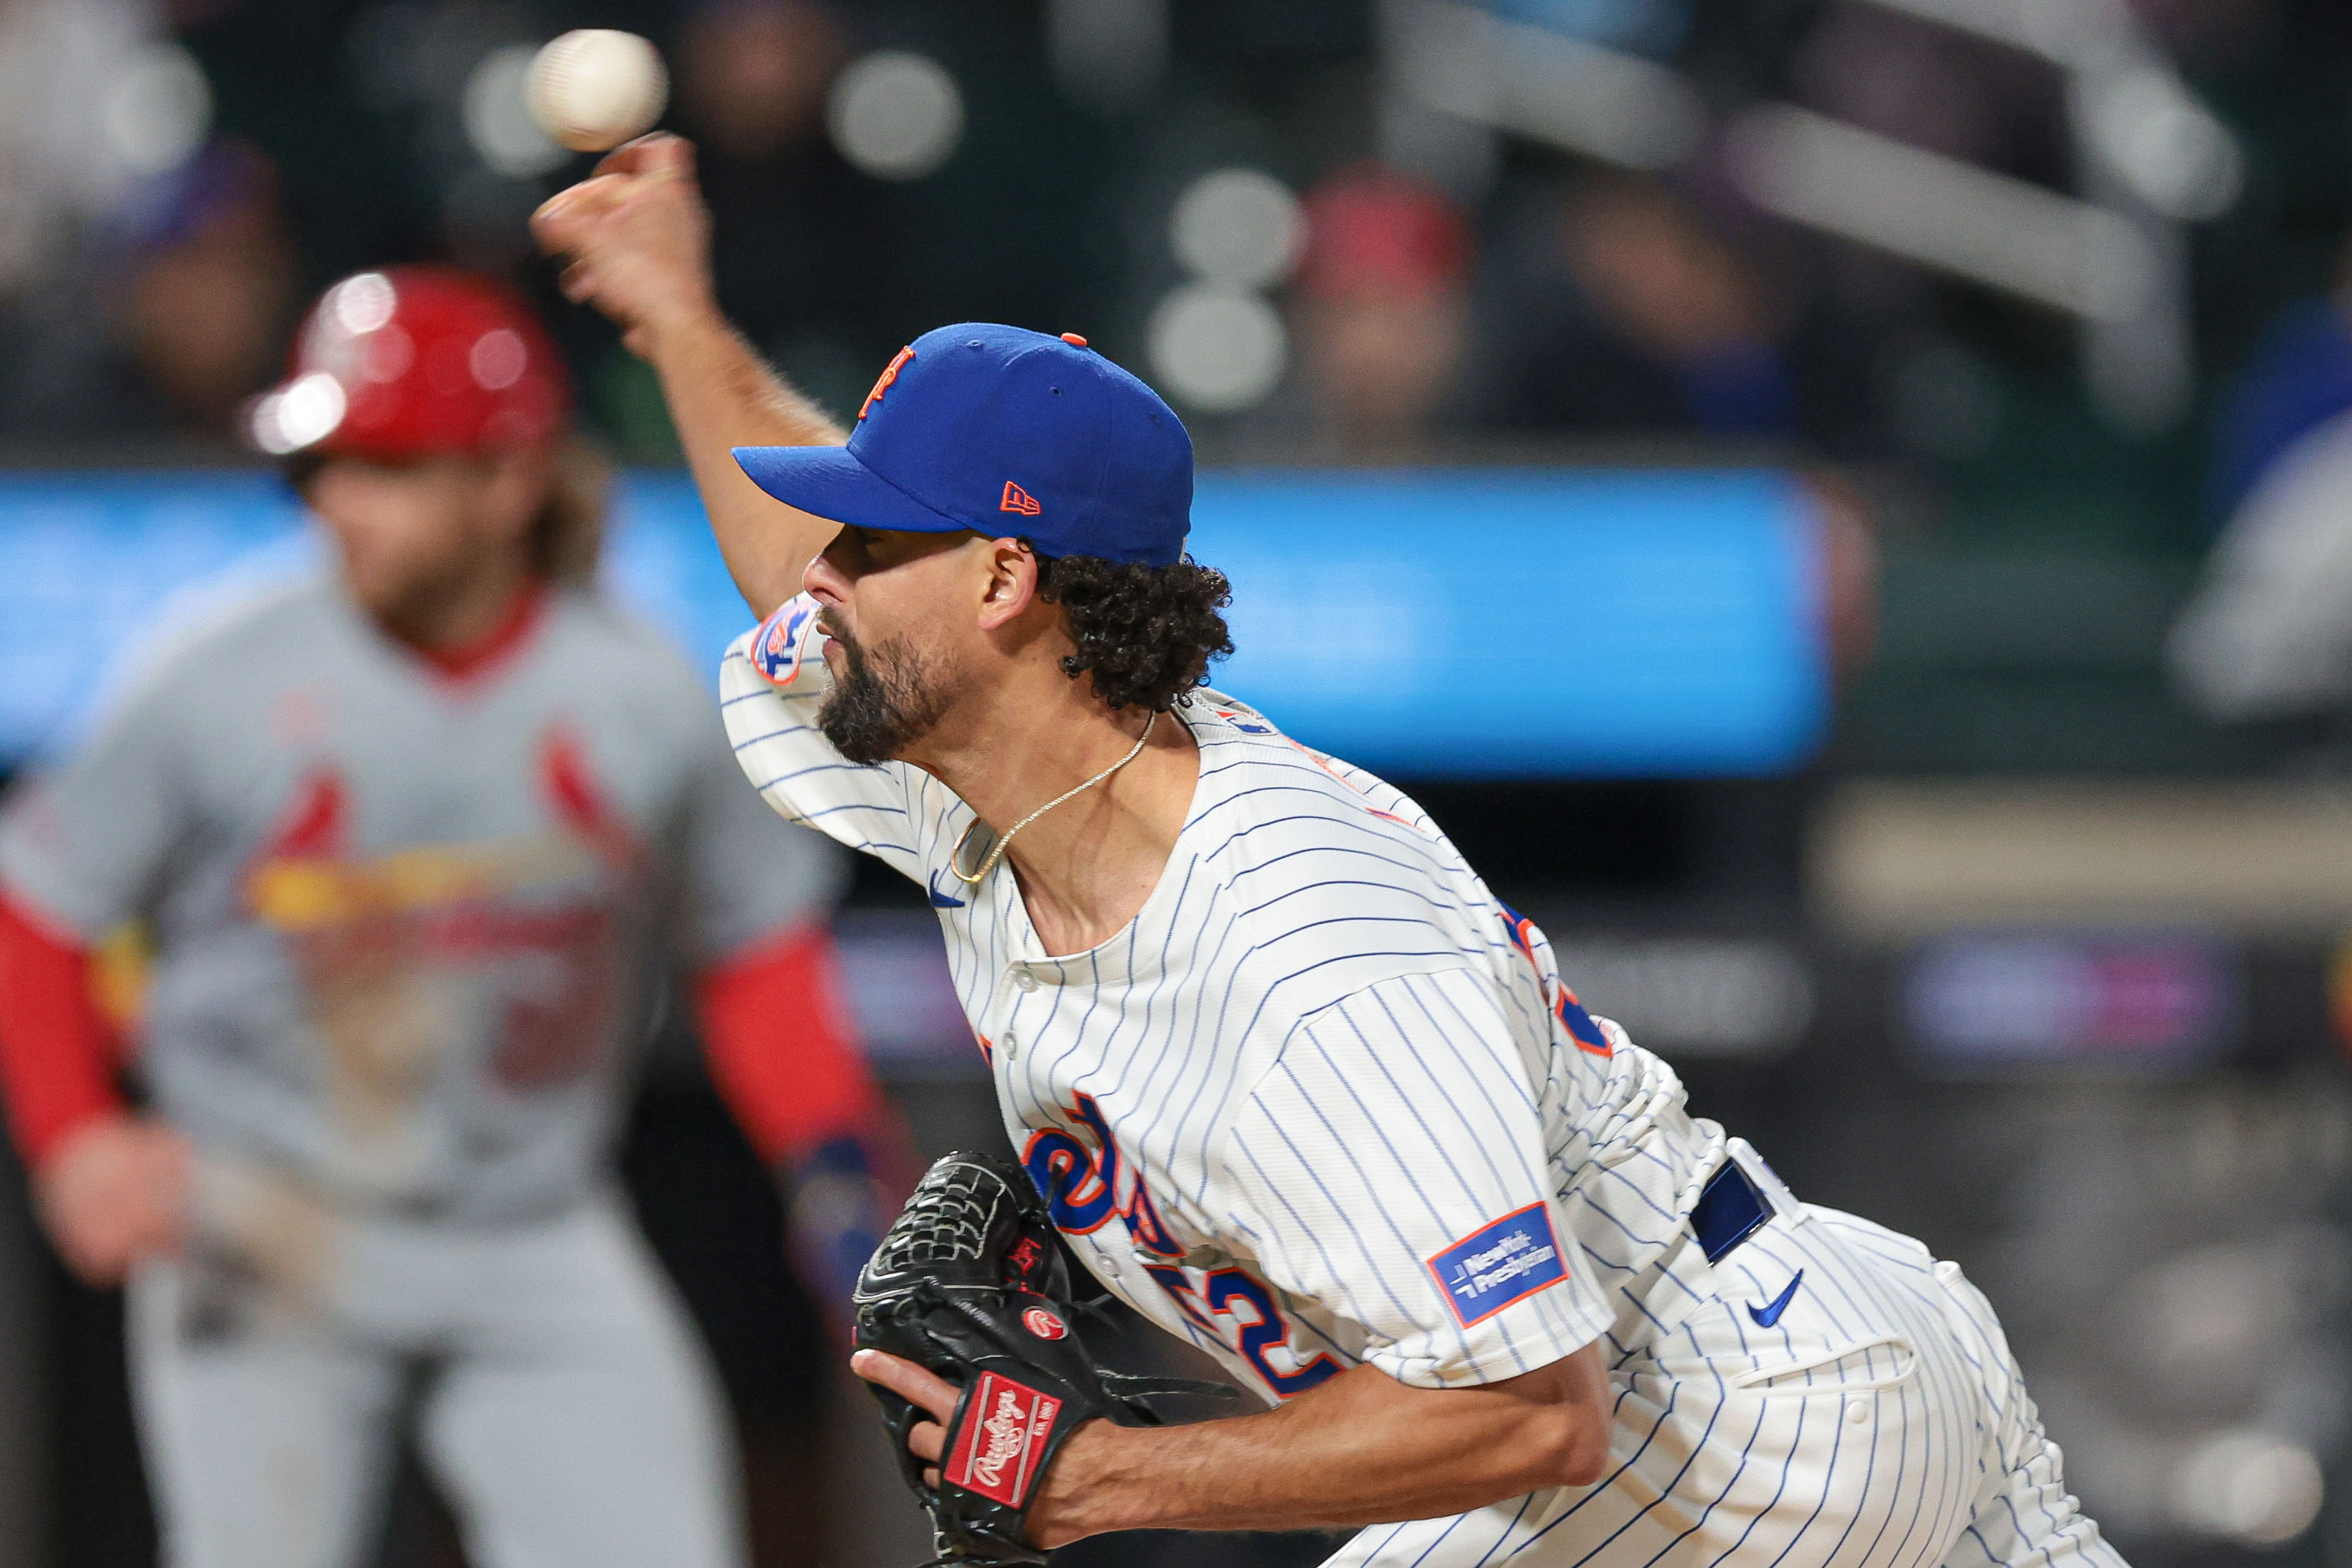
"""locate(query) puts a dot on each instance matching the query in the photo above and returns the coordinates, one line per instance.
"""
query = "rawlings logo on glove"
(970, 1283)
(995, 1462)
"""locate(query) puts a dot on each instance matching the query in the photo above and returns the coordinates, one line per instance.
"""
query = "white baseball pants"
(1876, 1420)
(562, 1403)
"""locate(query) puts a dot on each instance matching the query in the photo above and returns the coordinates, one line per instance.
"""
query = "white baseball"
(596, 87)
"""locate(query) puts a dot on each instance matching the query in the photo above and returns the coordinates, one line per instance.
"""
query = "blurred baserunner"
(416, 841)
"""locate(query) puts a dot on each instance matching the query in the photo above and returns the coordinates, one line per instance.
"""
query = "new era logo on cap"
(1106, 466)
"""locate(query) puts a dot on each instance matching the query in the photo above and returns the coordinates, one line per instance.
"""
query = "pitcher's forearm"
(721, 395)
(1360, 1449)
(1245, 1473)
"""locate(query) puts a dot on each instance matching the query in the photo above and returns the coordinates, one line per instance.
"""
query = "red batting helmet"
(415, 361)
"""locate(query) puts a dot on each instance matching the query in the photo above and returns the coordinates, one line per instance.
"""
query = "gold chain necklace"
(996, 853)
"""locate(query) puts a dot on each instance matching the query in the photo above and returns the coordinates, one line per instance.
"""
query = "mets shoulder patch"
(782, 646)
(1503, 1263)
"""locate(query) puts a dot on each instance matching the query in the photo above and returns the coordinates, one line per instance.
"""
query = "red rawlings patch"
(1043, 1324)
(999, 1452)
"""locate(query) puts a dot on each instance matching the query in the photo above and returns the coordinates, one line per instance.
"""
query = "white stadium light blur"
(2139, 116)
(498, 123)
(1216, 352)
(1240, 228)
(361, 303)
(155, 110)
(2174, 154)
(894, 115)
(2249, 1487)
(305, 412)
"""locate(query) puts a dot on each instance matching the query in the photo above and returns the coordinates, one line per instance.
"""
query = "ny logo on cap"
(1020, 500)
(882, 384)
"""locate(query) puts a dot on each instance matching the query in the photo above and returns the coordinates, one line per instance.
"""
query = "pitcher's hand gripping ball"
(595, 87)
(970, 1283)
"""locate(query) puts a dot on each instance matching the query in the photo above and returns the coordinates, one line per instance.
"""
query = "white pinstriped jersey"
(1324, 1101)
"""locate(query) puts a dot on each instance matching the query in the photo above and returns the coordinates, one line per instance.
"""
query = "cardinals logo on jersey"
(398, 954)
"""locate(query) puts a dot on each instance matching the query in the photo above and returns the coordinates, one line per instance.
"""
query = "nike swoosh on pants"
(1767, 1316)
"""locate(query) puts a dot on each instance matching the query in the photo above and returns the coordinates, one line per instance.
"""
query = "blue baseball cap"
(1004, 432)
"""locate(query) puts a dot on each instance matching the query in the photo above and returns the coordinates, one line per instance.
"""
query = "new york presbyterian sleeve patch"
(1504, 1263)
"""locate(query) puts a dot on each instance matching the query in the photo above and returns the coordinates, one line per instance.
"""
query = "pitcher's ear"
(1014, 577)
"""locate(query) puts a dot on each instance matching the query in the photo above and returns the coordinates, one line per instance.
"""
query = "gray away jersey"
(1324, 1101)
(409, 928)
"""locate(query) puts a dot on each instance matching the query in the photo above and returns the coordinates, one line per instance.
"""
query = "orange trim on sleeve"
(57, 1057)
(782, 1047)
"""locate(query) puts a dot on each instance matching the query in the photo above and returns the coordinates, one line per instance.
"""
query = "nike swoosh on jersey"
(1767, 1316)
(940, 901)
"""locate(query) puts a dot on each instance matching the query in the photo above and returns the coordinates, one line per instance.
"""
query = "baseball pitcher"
(1284, 1075)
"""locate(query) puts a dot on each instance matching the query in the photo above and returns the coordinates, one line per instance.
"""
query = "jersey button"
(1025, 980)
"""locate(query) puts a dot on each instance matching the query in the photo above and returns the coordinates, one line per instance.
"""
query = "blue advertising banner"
(1467, 623)
(1423, 623)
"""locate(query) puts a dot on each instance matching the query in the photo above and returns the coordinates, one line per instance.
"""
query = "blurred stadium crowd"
(1439, 259)
(2051, 299)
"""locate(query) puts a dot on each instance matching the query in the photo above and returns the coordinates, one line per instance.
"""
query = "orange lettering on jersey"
(1020, 500)
(882, 384)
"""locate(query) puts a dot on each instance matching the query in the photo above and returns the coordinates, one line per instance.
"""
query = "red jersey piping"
(471, 660)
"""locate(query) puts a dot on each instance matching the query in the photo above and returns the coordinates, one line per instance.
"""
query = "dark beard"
(881, 705)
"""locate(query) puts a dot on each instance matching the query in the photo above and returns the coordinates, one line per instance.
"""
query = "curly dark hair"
(1145, 632)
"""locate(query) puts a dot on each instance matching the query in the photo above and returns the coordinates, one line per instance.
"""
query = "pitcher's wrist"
(679, 326)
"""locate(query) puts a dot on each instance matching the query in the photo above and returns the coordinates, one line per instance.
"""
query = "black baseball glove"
(970, 1282)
